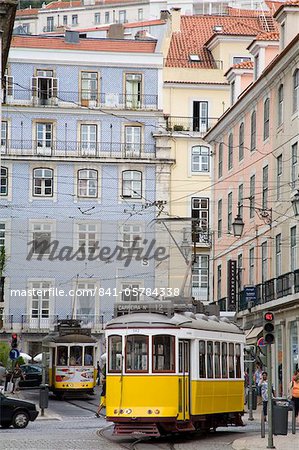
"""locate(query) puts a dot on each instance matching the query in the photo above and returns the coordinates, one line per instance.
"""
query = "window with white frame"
(41, 237)
(200, 218)
(50, 24)
(265, 187)
(241, 141)
(4, 181)
(2, 235)
(74, 19)
(87, 183)
(130, 292)
(132, 184)
(295, 90)
(132, 140)
(44, 135)
(278, 254)
(219, 228)
(253, 131)
(43, 182)
(3, 136)
(240, 198)
(278, 176)
(64, 20)
(264, 261)
(229, 211)
(85, 299)
(133, 87)
(294, 168)
(87, 236)
(251, 266)
(8, 88)
(89, 87)
(230, 151)
(200, 116)
(200, 275)
(219, 281)
(220, 160)
(122, 16)
(293, 248)
(44, 86)
(140, 14)
(266, 118)
(40, 299)
(280, 105)
(107, 17)
(89, 138)
(97, 18)
(200, 159)
(132, 238)
(252, 196)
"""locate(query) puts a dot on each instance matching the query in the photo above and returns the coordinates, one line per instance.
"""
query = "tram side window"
(61, 356)
(217, 360)
(75, 355)
(238, 361)
(163, 353)
(224, 359)
(115, 353)
(88, 356)
(210, 359)
(137, 354)
(202, 359)
(231, 366)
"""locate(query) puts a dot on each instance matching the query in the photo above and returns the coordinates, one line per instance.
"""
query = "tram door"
(184, 373)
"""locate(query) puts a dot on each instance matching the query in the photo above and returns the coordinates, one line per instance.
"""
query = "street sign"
(250, 294)
(14, 354)
(261, 342)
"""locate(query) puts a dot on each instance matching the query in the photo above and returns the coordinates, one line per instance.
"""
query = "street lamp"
(295, 203)
(263, 213)
(238, 224)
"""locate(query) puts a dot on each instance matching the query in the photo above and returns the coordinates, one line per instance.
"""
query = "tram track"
(83, 407)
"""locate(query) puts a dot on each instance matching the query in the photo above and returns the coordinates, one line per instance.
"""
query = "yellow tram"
(72, 359)
(170, 374)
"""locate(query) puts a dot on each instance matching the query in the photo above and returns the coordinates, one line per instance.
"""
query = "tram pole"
(250, 393)
(270, 400)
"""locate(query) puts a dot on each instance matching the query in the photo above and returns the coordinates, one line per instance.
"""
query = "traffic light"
(14, 340)
(268, 327)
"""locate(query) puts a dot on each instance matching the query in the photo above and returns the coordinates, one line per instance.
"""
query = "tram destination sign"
(146, 307)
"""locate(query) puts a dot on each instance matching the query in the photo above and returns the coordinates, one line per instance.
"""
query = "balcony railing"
(44, 324)
(192, 124)
(70, 149)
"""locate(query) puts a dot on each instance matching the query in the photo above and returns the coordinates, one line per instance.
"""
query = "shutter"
(34, 82)
(9, 85)
(54, 87)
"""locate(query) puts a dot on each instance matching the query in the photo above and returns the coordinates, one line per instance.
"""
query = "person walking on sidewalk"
(295, 395)
(16, 377)
(263, 384)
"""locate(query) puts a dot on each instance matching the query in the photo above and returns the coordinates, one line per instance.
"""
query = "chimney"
(71, 37)
(116, 31)
(175, 19)
(164, 14)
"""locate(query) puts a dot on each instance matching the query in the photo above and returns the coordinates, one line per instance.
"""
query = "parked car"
(33, 375)
(16, 412)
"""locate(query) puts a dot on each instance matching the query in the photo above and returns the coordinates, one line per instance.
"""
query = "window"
(224, 360)
(295, 90)
(163, 353)
(64, 20)
(241, 141)
(219, 275)
(265, 187)
(44, 87)
(40, 300)
(200, 217)
(74, 19)
(217, 371)
(202, 359)
(294, 169)
(219, 228)
(131, 236)
(266, 118)
(87, 183)
(238, 361)
(132, 141)
(115, 353)
(253, 131)
(229, 211)
(131, 184)
(41, 237)
(220, 160)
(26, 28)
(264, 261)
(62, 355)
(140, 14)
(97, 18)
(50, 24)
(280, 104)
(210, 359)
(122, 16)
(279, 176)
(43, 182)
(89, 87)
(89, 138)
(232, 92)
(3, 136)
(231, 362)
(107, 18)
(2, 235)
(44, 135)
(293, 249)
(8, 86)
(240, 59)
(278, 254)
(252, 197)
(130, 292)
(85, 300)
(240, 198)
(4, 181)
(200, 159)
(133, 88)
(200, 116)
(87, 236)
(200, 277)
(76, 355)
(88, 355)
(137, 353)
(230, 151)
(251, 266)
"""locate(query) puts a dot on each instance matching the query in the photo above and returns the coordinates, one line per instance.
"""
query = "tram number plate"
(136, 330)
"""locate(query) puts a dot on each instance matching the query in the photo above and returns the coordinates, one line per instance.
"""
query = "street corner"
(290, 442)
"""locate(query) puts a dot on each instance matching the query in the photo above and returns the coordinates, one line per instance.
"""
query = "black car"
(33, 375)
(16, 412)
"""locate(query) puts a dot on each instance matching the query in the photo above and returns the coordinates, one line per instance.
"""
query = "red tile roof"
(271, 36)
(61, 5)
(92, 45)
(27, 12)
(145, 23)
(294, 3)
(196, 31)
(243, 65)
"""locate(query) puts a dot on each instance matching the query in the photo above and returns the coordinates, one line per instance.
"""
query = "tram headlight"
(115, 411)
(128, 411)
(150, 411)
(157, 411)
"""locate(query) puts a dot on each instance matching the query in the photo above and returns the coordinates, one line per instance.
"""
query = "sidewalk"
(48, 414)
(289, 442)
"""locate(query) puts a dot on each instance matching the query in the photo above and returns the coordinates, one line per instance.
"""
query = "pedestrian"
(2, 374)
(295, 394)
(263, 384)
(257, 376)
(98, 373)
(16, 377)
(103, 398)
(295, 374)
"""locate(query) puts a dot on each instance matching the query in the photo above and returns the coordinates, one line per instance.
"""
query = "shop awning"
(252, 335)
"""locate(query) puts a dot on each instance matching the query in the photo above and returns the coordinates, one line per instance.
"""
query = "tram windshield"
(88, 356)
(61, 355)
(163, 353)
(76, 355)
(137, 353)
(115, 353)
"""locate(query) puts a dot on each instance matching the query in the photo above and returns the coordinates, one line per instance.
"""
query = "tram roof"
(182, 320)
(72, 339)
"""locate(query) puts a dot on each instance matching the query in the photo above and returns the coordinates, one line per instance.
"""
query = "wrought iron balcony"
(198, 125)
(45, 324)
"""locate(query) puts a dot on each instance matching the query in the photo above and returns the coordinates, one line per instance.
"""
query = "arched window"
(266, 118)
(253, 131)
(43, 182)
(295, 90)
(230, 151)
(87, 183)
(200, 159)
(132, 184)
(4, 181)
(241, 141)
(280, 105)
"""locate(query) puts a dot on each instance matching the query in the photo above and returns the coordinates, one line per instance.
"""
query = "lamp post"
(238, 224)
(263, 213)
